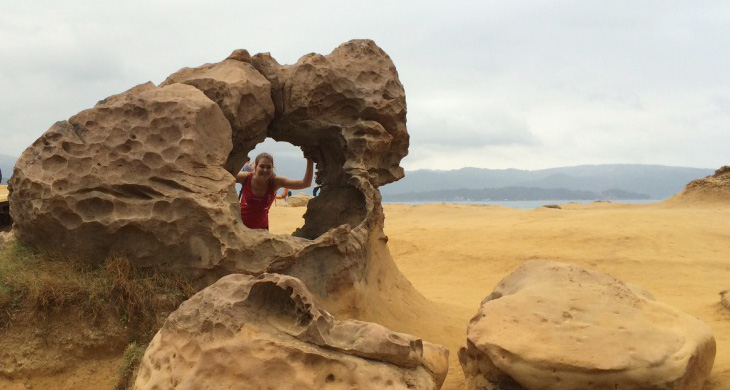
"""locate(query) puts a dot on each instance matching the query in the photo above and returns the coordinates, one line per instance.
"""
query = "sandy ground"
(454, 254)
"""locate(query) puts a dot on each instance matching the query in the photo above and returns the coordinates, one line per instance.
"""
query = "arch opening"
(337, 202)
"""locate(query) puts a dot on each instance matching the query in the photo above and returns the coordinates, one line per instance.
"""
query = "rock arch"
(147, 173)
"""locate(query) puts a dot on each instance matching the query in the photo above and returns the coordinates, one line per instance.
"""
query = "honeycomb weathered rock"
(146, 173)
(247, 332)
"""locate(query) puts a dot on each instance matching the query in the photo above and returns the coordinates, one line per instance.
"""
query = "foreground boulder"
(268, 332)
(556, 326)
(148, 174)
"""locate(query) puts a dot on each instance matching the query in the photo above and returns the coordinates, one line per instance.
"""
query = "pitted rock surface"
(241, 92)
(246, 332)
(147, 173)
(556, 326)
(140, 174)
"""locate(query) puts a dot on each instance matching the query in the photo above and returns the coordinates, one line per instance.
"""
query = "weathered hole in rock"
(337, 203)
(279, 307)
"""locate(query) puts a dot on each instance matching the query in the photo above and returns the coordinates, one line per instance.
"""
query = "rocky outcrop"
(712, 188)
(246, 332)
(556, 326)
(299, 199)
(147, 173)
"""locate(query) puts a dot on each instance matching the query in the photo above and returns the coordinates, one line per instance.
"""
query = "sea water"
(531, 204)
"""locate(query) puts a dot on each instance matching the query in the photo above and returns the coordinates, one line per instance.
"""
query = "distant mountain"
(512, 194)
(615, 181)
(606, 181)
(6, 165)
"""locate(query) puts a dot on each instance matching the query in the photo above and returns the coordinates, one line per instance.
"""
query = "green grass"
(130, 362)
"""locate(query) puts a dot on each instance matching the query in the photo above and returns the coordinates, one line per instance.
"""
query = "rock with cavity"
(147, 173)
(556, 326)
(246, 332)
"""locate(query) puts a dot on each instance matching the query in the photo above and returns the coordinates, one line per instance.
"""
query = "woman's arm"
(294, 184)
(241, 176)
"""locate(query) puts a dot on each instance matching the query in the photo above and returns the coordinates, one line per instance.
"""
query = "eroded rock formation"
(556, 326)
(246, 332)
(6, 238)
(147, 173)
(712, 188)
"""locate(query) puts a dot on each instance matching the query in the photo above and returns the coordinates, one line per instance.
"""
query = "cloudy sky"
(492, 84)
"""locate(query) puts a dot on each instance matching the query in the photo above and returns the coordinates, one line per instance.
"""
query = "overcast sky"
(492, 84)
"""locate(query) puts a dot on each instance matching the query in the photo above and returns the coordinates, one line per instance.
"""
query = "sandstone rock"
(246, 332)
(712, 188)
(352, 103)
(145, 173)
(556, 326)
(299, 199)
(141, 174)
(241, 92)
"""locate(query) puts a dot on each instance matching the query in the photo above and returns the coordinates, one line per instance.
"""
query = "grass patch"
(130, 362)
(40, 283)
(34, 285)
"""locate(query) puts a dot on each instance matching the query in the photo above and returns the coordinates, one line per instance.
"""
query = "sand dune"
(454, 254)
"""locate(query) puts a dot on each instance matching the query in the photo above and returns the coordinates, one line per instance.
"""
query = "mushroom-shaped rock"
(268, 331)
(550, 325)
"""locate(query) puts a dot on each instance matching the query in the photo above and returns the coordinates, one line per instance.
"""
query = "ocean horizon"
(531, 204)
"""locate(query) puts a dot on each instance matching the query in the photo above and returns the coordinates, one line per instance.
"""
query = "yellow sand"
(454, 255)
(3, 193)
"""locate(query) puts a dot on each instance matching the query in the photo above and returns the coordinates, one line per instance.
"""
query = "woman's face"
(264, 167)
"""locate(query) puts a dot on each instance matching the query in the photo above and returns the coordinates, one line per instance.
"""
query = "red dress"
(255, 209)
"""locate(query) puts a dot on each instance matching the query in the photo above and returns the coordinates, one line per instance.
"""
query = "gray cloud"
(527, 84)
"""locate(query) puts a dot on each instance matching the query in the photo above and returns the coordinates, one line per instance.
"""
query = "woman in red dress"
(259, 189)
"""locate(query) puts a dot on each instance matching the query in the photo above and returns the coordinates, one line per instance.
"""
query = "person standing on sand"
(259, 189)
